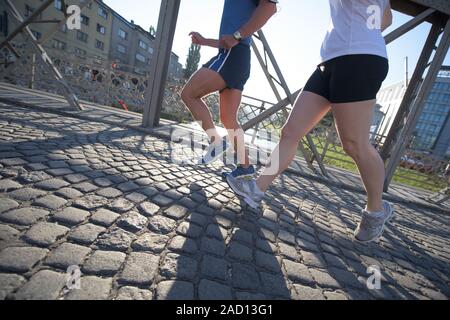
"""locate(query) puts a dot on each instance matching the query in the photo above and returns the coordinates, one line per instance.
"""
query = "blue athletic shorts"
(233, 65)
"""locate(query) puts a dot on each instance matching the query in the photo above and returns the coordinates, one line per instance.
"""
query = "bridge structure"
(435, 48)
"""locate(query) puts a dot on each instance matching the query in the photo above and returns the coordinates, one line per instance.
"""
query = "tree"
(192, 61)
(152, 31)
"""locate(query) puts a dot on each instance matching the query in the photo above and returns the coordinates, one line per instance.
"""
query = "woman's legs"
(202, 83)
(309, 109)
(353, 121)
(230, 102)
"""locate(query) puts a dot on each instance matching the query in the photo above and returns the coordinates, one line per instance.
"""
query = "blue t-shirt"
(237, 13)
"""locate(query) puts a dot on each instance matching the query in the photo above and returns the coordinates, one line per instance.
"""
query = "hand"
(228, 42)
(197, 38)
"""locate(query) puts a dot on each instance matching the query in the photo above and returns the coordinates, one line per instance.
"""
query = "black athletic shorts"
(233, 65)
(350, 78)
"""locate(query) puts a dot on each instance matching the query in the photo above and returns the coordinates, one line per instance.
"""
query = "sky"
(295, 35)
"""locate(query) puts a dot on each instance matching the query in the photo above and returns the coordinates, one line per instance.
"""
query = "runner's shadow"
(236, 258)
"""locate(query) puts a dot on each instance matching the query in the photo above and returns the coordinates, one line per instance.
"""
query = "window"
(143, 45)
(82, 36)
(102, 12)
(80, 52)
(84, 20)
(58, 5)
(4, 23)
(101, 28)
(64, 28)
(123, 34)
(36, 34)
(150, 50)
(28, 11)
(140, 58)
(99, 45)
(59, 45)
(121, 48)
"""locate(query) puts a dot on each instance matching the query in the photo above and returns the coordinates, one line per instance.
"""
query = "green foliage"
(193, 59)
(152, 31)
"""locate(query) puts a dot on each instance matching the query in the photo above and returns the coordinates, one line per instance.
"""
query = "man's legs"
(202, 83)
(230, 101)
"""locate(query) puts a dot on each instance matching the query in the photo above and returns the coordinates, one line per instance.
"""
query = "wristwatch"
(237, 35)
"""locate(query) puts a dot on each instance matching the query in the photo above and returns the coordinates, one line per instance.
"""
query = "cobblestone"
(133, 293)
(116, 239)
(21, 259)
(9, 283)
(50, 202)
(66, 255)
(45, 234)
(26, 194)
(24, 216)
(71, 216)
(140, 269)
(151, 242)
(7, 204)
(175, 290)
(214, 268)
(179, 267)
(104, 217)
(161, 224)
(91, 288)
(86, 233)
(183, 245)
(142, 227)
(132, 222)
(210, 290)
(44, 285)
(104, 263)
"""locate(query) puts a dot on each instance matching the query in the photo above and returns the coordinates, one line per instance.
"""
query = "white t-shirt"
(355, 29)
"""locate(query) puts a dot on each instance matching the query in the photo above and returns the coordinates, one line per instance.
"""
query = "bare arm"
(198, 39)
(265, 10)
(260, 17)
(387, 17)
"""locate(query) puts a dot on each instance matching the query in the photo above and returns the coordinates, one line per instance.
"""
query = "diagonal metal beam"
(419, 104)
(55, 28)
(408, 26)
(24, 23)
(415, 82)
(24, 27)
(282, 82)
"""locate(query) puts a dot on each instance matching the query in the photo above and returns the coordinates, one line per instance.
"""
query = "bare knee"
(355, 149)
(229, 120)
(186, 95)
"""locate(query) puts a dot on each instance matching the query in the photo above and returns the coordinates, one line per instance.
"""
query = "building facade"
(433, 128)
(104, 36)
(91, 41)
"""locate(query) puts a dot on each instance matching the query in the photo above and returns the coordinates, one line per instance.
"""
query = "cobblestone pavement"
(110, 201)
